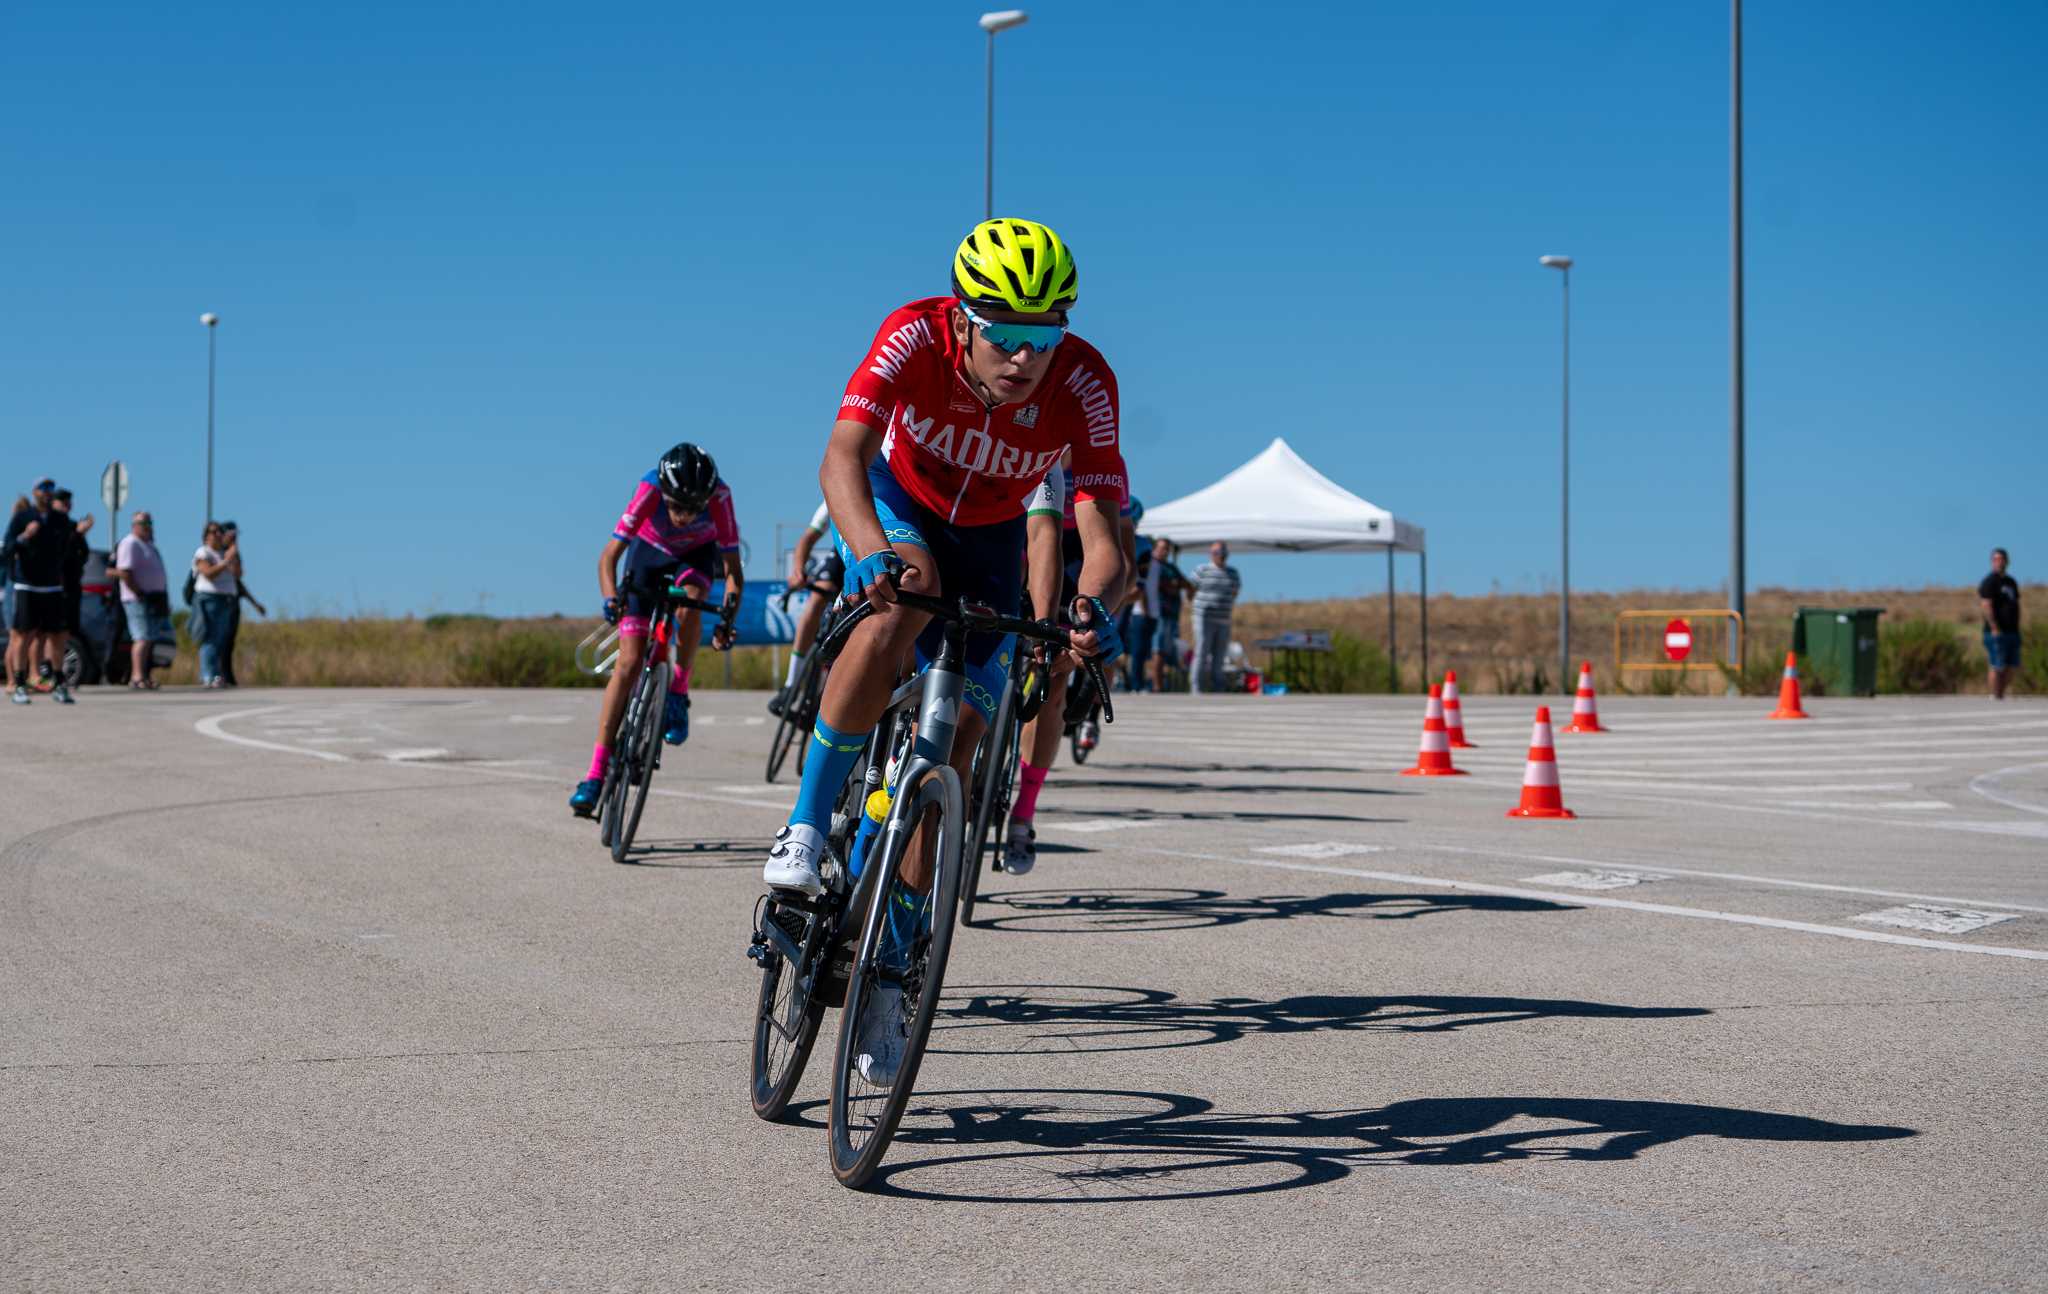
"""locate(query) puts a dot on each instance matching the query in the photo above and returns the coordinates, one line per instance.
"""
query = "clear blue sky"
(477, 266)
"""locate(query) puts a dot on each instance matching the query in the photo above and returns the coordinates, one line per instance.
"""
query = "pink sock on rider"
(1029, 780)
(598, 754)
(679, 682)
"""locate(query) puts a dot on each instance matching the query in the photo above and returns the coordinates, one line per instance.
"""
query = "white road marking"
(1599, 878)
(1915, 805)
(540, 718)
(1982, 785)
(211, 727)
(1942, 921)
(1323, 849)
(757, 788)
(424, 752)
(1627, 905)
(1744, 877)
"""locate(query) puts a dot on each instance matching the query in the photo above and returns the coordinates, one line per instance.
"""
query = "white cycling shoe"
(882, 1035)
(793, 860)
(1020, 851)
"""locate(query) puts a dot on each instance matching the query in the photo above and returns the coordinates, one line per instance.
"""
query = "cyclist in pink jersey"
(679, 525)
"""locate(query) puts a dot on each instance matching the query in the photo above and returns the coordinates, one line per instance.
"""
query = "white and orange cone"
(1454, 714)
(1585, 709)
(1541, 796)
(1434, 759)
(1788, 692)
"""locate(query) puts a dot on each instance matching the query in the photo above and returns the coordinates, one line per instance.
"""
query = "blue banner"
(762, 621)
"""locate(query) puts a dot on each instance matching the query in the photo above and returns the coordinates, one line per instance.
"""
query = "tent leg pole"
(1393, 660)
(1423, 558)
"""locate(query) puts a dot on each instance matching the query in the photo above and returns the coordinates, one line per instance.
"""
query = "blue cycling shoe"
(584, 802)
(676, 719)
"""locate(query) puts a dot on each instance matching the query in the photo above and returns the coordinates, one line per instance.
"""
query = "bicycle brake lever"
(1101, 690)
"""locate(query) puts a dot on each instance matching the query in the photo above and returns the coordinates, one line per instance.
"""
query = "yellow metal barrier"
(1716, 634)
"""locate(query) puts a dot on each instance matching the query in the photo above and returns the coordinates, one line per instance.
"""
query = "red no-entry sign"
(1678, 640)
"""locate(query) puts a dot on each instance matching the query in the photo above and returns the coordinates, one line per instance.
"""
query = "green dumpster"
(1840, 644)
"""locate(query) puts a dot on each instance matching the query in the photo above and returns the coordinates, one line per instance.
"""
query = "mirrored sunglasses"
(1009, 338)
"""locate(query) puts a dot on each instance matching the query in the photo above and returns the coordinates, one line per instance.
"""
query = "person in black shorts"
(39, 537)
(1999, 596)
(76, 554)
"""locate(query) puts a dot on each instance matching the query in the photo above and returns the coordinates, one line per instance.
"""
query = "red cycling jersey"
(968, 463)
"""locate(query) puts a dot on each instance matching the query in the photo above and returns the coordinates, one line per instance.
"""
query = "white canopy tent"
(1277, 503)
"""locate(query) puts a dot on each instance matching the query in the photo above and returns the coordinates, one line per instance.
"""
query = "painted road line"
(1598, 878)
(1323, 849)
(211, 727)
(1626, 905)
(540, 718)
(1984, 785)
(1093, 825)
(1941, 921)
(424, 752)
(1913, 805)
(1745, 877)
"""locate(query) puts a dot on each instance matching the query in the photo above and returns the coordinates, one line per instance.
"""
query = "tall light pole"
(211, 320)
(1737, 576)
(1001, 20)
(1565, 677)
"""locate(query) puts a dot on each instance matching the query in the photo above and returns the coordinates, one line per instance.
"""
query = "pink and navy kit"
(663, 552)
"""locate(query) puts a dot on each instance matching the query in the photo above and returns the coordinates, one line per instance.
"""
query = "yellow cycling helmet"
(1016, 265)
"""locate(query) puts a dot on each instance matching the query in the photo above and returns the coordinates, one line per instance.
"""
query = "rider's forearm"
(1102, 551)
(1042, 565)
(607, 568)
(844, 478)
(801, 555)
(735, 579)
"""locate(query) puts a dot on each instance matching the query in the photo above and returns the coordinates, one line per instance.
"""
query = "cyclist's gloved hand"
(614, 607)
(1092, 616)
(871, 570)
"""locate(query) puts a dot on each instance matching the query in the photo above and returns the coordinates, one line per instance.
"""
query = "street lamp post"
(1564, 589)
(211, 320)
(1001, 20)
(1737, 575)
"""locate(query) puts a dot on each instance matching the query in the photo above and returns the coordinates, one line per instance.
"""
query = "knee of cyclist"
(921, 578)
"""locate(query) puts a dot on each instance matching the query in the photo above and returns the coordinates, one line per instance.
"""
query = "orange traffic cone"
(1585, 713)
(1434, 759)
(1788, 692)
(1454, 714)
(1541, 797)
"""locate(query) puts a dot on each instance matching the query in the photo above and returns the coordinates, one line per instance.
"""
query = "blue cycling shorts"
(985, 563)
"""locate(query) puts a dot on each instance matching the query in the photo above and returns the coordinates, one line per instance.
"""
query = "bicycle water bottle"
(874, 813)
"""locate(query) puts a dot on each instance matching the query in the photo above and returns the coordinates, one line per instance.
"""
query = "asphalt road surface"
(311, 989)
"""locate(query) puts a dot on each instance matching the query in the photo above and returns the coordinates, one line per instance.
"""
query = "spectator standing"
(1173, 588)
(1999, 596)
(1144, 619)
(1216, 588)
(145, 596)
(242, 593)
(76, 554)
(213, 572)
(38, 539)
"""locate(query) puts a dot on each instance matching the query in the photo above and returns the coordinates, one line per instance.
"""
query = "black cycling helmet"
(686, 477)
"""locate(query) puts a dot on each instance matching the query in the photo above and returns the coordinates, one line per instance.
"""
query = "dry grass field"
(1499, 643)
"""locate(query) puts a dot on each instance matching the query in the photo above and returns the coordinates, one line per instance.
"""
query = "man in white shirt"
(145, 595)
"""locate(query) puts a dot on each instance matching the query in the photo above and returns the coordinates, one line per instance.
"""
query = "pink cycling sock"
(679, 682)
(1028, 784)
(598, 755)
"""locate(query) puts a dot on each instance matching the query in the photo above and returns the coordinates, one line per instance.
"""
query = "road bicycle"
(1087, 702)
(816, 953)
(800, 699)
(636, 750)
(995, 771)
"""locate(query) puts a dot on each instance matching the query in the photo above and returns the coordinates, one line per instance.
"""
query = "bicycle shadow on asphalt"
(1074, 782)
(1121, 767)
(1028, 1019)
(1087, 1146)
(695, 855)
(1121, 911)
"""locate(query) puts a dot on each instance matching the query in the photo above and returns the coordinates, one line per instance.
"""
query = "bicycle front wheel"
(643, 748)
(865, 1113)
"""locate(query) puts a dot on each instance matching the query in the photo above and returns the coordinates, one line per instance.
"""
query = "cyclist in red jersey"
(960, 408)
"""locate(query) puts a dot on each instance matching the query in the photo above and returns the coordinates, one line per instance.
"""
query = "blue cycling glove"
(613, 608)
(870, 570)
(1109, 644)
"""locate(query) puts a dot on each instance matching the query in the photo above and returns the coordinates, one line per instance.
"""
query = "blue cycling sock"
(902, 923)
(831, 759)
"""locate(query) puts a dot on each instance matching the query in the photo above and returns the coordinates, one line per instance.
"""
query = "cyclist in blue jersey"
(822, 574)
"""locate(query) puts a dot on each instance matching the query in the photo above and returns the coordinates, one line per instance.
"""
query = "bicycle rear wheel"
(643, 751)
(790, 727)
(994, 782)
(791, 1008)
(864, 1116)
